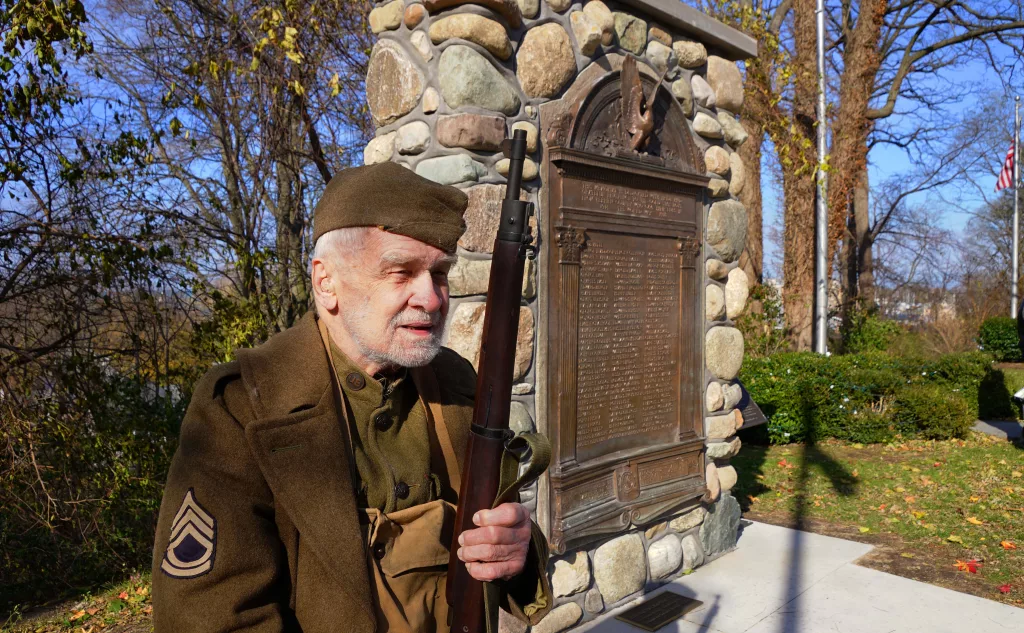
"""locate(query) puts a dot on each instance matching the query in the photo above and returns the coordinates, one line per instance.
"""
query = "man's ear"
(323, 286)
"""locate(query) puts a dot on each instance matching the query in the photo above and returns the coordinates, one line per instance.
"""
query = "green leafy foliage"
(81, 481)
(868, 332)
(763, 324)
(871, 397)
(932, 412)
(998, 335)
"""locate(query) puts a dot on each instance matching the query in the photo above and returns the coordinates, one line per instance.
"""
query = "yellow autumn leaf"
(906, 555)
(975, 498)
(1015, 474)
(953, 538)
(918, 514)
(975, 521)
(864, 529)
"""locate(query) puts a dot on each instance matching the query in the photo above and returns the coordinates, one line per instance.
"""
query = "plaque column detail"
(691, 372)
(571, 241)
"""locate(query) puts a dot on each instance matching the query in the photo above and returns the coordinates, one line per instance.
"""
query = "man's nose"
(427, 294)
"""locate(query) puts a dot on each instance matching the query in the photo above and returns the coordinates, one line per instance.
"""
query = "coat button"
(401, 490)
(355, 380)
(379, 550)
(382, 421)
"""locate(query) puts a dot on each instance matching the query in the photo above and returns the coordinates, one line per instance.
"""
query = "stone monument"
(627, 357)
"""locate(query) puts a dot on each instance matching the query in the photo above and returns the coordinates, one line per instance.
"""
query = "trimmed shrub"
(932, 412)
(871, 397)
(998, 336)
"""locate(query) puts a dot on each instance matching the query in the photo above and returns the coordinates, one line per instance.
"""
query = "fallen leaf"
(975, 499)
(77, 615)
(881, 508)
(915, 470)
(783, 463)
(864, 529)
(953, 538)
(1002, 462)
(910, 499)
(975, 521)
(148, 609)
(918, 514)
(970, 566)
(937, 464)
(1008, 544)
(926, 480)
(900, 489)
(92, 611)
(141, 591)
(1008, 490)
(855, 473)
(1004, 588)
(1016, 474)
(123, 595)
(906, 555)
(753, 499)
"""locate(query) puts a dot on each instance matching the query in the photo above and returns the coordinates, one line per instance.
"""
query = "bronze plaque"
(628, 388)
(623, 215)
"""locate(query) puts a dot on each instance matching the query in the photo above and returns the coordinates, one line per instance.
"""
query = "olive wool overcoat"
(259, 529)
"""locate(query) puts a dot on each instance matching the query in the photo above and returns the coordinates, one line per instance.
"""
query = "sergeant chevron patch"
(193, 540)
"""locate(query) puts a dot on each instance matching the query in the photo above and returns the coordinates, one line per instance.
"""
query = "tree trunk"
(865, 242)
(797, 154)
(849, 151)
(752, 116)
(848, 268)
(848, 156)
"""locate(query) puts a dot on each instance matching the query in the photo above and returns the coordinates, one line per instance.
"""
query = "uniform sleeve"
(218, 563)
(528, 596)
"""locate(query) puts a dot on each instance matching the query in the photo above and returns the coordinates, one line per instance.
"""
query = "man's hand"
(497, 548)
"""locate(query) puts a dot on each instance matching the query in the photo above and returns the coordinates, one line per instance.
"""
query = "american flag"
(1006, 176)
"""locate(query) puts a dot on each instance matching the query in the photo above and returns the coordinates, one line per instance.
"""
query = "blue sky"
(887, 161)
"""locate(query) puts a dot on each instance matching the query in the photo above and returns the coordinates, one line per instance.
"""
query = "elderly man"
(314, 484)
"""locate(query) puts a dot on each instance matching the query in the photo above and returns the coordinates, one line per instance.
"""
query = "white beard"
(390, 352)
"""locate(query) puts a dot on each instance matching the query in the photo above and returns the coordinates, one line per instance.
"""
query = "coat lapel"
(299, 444)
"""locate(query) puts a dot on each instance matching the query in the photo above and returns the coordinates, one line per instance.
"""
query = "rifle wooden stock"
(480, 476)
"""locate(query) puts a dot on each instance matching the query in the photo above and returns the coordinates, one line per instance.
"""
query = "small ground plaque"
(659, 611)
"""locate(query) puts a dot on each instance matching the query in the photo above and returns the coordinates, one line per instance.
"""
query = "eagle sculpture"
(637, 113)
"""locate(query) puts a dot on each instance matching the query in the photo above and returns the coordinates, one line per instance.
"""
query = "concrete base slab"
(1006, 429)
(786, 581)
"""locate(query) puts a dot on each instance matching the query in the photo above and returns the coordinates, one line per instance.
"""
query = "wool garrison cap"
(394, 199)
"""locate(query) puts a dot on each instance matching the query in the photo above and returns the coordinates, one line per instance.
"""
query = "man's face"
(394, 299)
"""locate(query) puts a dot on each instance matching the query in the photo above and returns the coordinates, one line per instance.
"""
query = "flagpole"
(1016, 213)
(820, 330)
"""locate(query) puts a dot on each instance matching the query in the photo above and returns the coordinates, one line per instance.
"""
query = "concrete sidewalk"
(1006, 430)
(785, 581)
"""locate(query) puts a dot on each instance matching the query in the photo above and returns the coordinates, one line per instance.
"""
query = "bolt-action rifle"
(490, 473)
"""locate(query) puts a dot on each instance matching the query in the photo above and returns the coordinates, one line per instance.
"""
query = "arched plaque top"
(599, 127)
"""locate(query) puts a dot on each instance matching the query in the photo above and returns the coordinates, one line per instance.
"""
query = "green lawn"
(925, 504)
